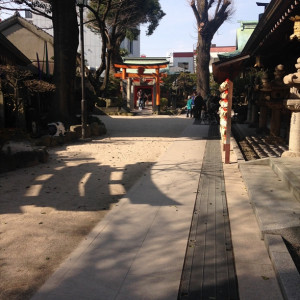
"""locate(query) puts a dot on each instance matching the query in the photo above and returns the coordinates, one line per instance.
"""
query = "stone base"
(290, 154)
(15, 155)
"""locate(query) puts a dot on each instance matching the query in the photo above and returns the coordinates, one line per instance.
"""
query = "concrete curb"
(255, 272)
(237, 150)
(287, 275)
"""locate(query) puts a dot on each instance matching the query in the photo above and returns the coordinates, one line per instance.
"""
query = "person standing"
(199, 106)
(140, 95)
(189, 107)
(193, 104)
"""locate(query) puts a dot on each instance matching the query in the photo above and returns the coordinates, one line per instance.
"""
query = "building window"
(184, 65)
(28, 14)
(131, 47)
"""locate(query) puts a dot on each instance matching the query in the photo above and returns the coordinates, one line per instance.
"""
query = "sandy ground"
(46, 210)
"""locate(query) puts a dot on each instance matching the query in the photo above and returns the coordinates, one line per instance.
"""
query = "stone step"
(288, 170)
(258, 150)
(273, 197)
(263, 146)
(273, 188)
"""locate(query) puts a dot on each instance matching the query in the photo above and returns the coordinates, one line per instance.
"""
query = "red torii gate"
(140, 74)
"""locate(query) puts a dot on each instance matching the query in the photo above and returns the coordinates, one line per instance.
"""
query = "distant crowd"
(200, 108)
(142, 99)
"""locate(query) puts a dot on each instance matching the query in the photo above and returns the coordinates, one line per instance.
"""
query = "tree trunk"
(65, 28)
(116, 56)
(202, 60)
(105, 82)
(207, 27)
(112, 56)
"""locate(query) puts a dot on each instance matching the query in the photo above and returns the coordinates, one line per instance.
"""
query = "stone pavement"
(138, 251)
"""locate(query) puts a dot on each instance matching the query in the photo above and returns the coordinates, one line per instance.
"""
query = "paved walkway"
(138, 251)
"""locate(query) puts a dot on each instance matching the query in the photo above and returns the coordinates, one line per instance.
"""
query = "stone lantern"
(279, 92)
(293, 104)
(264, 95)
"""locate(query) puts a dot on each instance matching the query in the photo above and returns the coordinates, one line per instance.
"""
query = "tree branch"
(196, 13)
(217, 7)
(32, 6)
(222, 11)
(221, 15)
(210, 3)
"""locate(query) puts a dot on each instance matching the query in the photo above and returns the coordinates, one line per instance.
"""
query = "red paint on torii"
(140, 74)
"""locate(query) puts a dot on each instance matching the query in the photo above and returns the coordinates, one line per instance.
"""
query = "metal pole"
(82, 67)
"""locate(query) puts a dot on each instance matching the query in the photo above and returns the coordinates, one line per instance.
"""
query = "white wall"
(177, 61)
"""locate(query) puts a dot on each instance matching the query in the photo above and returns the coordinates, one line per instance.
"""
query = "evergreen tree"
(116, 19)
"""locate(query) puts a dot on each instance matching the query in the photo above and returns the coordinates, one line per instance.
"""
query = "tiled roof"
(183, 54)
(223, 49)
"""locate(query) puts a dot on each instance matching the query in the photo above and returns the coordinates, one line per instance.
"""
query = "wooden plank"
(156, 66)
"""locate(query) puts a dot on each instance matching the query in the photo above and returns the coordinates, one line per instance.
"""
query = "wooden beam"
(156, 66)
(135, 75)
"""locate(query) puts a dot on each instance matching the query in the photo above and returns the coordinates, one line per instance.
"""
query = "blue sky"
(177, 30)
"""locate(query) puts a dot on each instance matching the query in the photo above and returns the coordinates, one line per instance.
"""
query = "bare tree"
(210, 15)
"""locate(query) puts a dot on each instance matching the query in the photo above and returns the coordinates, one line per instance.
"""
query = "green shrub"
(93, 119)
(163, 103)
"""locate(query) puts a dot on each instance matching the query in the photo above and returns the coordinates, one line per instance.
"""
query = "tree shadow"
(87, 186)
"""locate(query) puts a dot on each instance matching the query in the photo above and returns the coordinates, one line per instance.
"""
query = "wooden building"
(271, 53)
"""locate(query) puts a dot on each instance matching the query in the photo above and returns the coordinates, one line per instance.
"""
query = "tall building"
(182, 62)
(186, 61)
(216, 51)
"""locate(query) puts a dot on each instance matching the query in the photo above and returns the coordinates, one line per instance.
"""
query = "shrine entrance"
(143, 75)
(148, 95)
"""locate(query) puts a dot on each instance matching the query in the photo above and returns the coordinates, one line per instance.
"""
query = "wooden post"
(124, 73)
(157, 78)
(228, 129)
